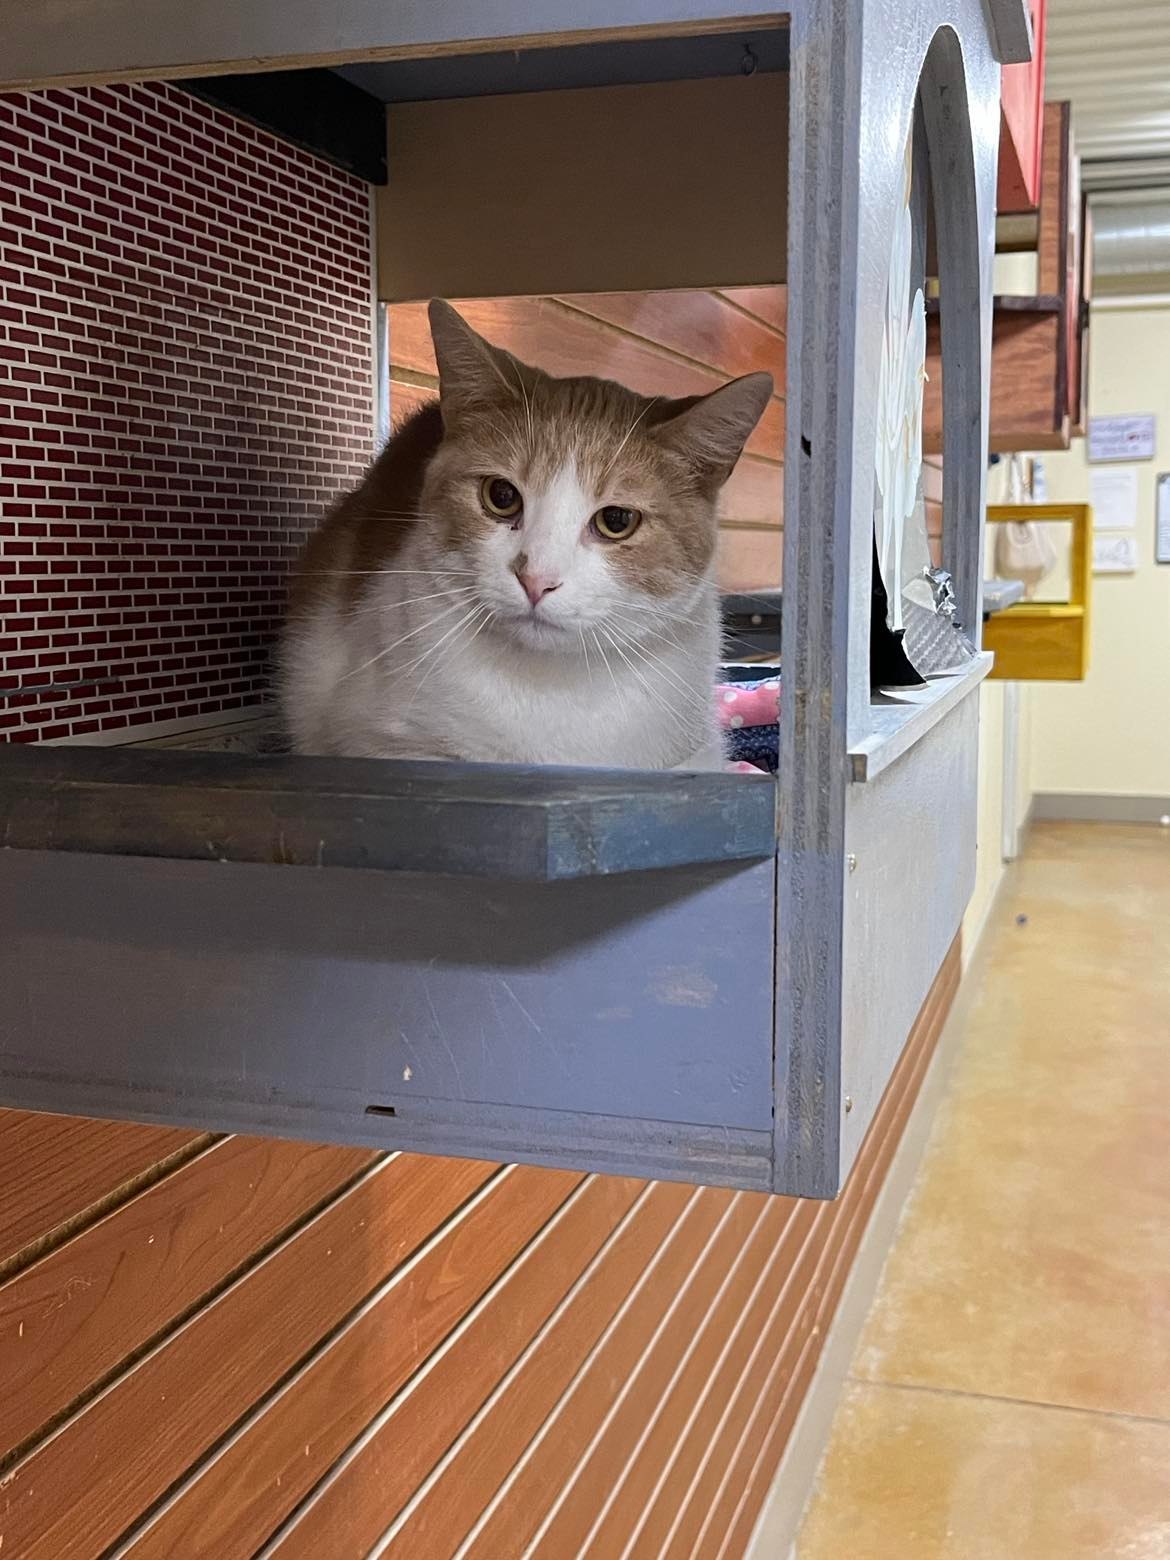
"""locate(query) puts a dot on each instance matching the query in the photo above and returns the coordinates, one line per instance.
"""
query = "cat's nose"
(537, 586)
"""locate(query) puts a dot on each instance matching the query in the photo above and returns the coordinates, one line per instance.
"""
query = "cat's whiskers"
(623, 631)
(695, 700)
(626, 439)
(653, 693)
(372, 608)
(527, 407)
(401, 514)
(605, 661)
(463, 621)
(353, 573)
(457, 649)
(636, 628)
(585, 653)
(661, 614)
(443, 612)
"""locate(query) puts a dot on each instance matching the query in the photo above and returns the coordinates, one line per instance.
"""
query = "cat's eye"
(614, 523)
(501, 498)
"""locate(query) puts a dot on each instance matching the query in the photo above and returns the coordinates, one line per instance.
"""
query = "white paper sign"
(1162, 521)
(1113, 493)
(1122, 438)
(1114, 553)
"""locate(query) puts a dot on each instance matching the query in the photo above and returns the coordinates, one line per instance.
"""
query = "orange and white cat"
(526, 574)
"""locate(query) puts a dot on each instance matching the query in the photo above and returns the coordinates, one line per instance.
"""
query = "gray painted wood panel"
(857, 70)
(646, 996)
(911, 833)
(463, 820)
(61, 41)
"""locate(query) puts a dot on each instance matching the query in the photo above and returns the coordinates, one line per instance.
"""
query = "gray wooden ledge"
(896, 727)
(482, 821)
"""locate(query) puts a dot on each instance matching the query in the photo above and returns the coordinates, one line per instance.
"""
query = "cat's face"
(586, 513)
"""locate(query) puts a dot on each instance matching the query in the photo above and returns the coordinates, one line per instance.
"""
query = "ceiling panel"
(1113, 62)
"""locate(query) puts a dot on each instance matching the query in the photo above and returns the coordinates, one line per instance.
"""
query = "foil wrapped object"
(942, 588)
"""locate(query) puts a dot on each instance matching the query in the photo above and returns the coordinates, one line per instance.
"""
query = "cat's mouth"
(536, 630)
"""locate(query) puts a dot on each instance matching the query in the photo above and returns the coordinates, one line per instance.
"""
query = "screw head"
(848, 1103)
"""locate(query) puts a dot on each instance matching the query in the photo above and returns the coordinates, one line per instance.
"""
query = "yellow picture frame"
(1044, 641)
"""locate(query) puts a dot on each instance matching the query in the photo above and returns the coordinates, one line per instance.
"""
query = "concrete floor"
(1010, 1397)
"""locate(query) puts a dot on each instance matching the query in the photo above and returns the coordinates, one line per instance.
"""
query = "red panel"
(1021, 125)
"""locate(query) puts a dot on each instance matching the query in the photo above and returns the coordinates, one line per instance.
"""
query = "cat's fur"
(411, 634)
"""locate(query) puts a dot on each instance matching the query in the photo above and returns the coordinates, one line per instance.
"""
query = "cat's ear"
(471, 371)
(711, 430)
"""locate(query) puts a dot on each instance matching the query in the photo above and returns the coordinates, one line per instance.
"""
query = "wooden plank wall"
(659, 343)
(671, 343)
(234, 1348)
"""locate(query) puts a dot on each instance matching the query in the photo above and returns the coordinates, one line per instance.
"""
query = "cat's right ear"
(471, 371)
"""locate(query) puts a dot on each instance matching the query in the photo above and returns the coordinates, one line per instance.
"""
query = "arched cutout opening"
(925, 585)
(943, 103)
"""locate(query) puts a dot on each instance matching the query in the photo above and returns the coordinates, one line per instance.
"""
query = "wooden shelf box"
(704, 978)
(1039, 380)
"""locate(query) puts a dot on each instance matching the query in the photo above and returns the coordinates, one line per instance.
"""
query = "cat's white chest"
(486, 705)
(385, 684)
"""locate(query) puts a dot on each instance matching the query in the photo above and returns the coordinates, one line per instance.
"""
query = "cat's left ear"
(471, 371)
(711, 430)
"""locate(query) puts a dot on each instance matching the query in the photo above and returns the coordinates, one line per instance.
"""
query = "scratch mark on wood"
(521, 1006)
(75, 1286)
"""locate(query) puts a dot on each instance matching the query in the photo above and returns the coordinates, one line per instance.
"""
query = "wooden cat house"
(705, 978)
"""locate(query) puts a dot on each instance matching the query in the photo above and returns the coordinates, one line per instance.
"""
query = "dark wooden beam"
(314, 109)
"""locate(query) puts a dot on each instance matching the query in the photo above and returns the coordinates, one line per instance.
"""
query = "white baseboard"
(1088, 807)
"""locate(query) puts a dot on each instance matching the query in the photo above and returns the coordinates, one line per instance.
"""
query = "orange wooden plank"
(782, 1389)
(754, 491)
(613, 1482)
(769, 304)
(791, 1348)
(932, 479)
(54, 1168)
(756, 1483)
(406, 398)
(236, 1502)
(717, 1225)
(749, 559)
(565, 342)
(353, 1509)
(652, 1249)
(1051, 246)
(712, 1484)
(69, 1319)
(736, 1474)
(661, 1469)
(703, 326)
(82, 1489)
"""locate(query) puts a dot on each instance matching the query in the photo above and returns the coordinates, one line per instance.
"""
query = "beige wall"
(989, 864)
(1110, 735)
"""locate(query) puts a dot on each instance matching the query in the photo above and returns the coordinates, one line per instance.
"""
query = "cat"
(526, 574)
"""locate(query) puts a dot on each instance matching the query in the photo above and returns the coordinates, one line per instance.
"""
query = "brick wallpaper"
(185, 384)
